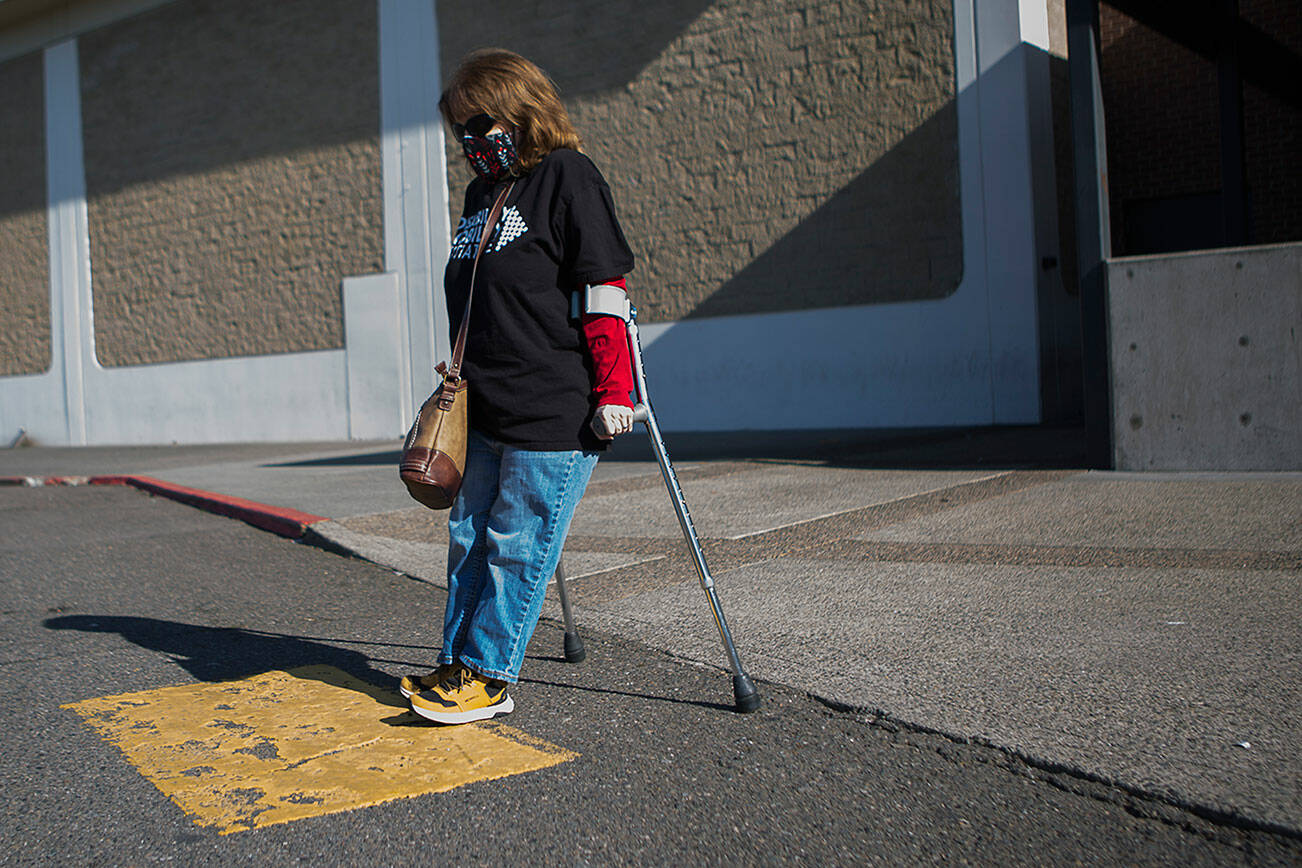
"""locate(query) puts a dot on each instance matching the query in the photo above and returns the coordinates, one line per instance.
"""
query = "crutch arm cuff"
(607, 299)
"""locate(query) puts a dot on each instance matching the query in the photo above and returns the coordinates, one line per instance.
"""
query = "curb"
(280, 520)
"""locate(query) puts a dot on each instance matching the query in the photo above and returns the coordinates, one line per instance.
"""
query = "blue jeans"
(507, 527)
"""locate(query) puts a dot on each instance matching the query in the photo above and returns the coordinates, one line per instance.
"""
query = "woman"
(547, 391)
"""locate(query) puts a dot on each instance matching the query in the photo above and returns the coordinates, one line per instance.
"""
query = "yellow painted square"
(282, 746)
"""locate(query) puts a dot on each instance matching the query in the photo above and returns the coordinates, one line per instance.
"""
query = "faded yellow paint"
(282, 746)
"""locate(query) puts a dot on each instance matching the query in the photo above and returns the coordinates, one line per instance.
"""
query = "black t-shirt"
(528, 366)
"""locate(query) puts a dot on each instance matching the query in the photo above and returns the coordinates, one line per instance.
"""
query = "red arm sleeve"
(607, 341)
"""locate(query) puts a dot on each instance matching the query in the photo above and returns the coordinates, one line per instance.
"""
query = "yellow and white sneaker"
(463, 697)
(416, 683)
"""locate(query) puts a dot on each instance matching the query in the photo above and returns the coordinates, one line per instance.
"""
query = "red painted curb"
(278, 519)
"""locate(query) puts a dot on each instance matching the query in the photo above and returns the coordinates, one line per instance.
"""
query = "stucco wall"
(764, 156)
(24, 232)
(233, 176)
(736, 229)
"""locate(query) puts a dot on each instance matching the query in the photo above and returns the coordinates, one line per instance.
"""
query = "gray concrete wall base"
(1206, 364)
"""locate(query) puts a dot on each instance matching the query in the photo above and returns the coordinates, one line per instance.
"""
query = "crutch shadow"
(542, 659)
(699, 703)
(411, 719)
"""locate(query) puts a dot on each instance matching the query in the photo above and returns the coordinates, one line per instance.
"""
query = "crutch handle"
(641, 412)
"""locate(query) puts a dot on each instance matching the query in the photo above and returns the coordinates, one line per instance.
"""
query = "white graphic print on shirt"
(510, 226)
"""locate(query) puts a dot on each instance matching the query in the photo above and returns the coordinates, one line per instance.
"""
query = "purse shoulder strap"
(490, 223)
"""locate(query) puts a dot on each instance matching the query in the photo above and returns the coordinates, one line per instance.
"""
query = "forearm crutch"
(743, 689)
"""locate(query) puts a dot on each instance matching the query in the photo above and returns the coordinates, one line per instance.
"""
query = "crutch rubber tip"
(574, 650)
(743, 690)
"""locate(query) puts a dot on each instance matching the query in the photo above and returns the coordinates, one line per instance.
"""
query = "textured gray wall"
(24, 232)
(764, 156)
(233, 176)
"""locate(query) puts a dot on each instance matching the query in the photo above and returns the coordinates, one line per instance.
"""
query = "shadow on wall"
(22, 136)
(1061, 383)
(893, 234)
(764, 156)
(233, 176)
(261, 80)
(585, 48)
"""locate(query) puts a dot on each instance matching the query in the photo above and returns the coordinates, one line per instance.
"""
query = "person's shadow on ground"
(226, 653)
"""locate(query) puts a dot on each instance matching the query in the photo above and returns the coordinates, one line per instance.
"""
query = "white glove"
(612, 419)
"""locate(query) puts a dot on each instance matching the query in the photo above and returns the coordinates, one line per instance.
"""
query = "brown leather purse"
(434, 456)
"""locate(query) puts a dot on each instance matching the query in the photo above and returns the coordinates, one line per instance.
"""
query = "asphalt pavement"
(967, 649)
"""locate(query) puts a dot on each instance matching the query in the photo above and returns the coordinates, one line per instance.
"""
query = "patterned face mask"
(491, 156)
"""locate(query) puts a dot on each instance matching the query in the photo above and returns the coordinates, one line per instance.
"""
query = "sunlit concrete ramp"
(1143, 630)
(1140, 629)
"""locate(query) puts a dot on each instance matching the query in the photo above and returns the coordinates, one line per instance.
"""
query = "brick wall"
(233, 176)
(1162, 105)
(24, 232)
(1162, 117)
(1272, 134)
(764, 156)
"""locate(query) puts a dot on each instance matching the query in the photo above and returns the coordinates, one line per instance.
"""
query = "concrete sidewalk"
(1139, 629)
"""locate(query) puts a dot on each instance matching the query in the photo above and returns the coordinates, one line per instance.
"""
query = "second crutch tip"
(574, 650)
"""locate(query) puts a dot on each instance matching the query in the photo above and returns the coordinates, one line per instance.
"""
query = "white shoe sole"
(506, 706)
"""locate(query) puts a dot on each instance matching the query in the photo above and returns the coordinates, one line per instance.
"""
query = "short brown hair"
(508, 87)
